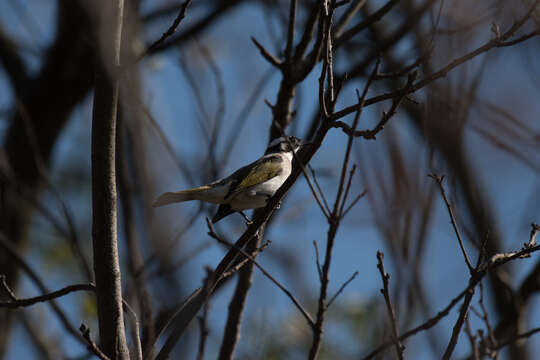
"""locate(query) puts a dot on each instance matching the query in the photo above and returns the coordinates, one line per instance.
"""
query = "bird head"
(285, 144)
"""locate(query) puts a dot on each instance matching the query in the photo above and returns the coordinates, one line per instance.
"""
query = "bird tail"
(180, 196)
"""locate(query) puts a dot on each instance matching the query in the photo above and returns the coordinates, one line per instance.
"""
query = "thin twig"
(6, 288)
(19, 260)
(241, 263)
(493, 43)
(203, 324)
(136, 329)
(169, 32)
(535, 228)
(306, 175)
(463, 311)
(92, 346)
(306, 315)
(386, 116)
(329, 53)
(351, 205)
(347, 189)
(317, 262)
(439, 180)
(472, 339)
(290, 31)
(459, 322)
(485, 317)
(237, 303)
(342, 288)
(493, 262)
(319, 188)
(370, 20)
(267, 55)
(15, 303)
(361, 99)
(386, 293)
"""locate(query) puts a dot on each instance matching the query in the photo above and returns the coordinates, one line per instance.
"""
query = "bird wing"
(255, 173)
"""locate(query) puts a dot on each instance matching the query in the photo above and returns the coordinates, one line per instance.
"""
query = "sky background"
(513, 186)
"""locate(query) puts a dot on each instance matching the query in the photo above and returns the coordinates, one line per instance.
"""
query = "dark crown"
(283, 144)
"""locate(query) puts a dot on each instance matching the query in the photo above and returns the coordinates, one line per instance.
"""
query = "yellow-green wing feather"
(256, 173)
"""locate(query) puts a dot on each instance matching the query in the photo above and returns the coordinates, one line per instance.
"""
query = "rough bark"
(104, 207)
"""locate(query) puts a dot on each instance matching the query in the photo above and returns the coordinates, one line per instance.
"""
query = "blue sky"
(170, 100)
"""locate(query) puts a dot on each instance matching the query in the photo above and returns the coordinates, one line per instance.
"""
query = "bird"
(249, 187)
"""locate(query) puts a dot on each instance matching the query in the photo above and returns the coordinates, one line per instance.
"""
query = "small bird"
(249, 187)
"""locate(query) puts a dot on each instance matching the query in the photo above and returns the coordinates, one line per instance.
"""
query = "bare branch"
(342, 288)
(472, 338)
(17, 259)
(347, 189)
(203, 324)
(317, 261)
(386, 116)
(494, 43)
(319, 189)
(267, 55)
(376, 16)
(92, 346)
(6, 288)
(493, 262)
(535, 228)
(361, 99)
(15, 303)
(325, 210)
(351, 205)
(439, 179)
(306, 315)
(391, 313)
(290, 31)
(169, 32)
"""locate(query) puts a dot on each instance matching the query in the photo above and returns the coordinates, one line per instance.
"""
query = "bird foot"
(248, 221)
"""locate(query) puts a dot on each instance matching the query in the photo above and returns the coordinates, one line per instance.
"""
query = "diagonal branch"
(491, 44)
(493, 262)
(92, 346)
(171, 30)
(267, 55)
(304, 312)
(439, 179)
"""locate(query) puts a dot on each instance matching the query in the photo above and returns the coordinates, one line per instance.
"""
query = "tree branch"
(494, 43)
(493, 262)
(169, 32)
(439, 180)
(104, 215)
(391, 313)
(16, 303)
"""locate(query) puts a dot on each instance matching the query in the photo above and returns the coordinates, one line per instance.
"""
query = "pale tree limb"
(108, 30)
